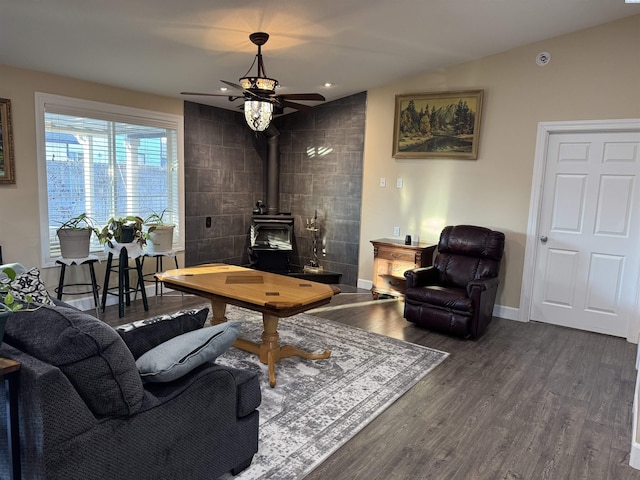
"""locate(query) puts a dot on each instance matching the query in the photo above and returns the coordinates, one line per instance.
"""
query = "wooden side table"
(391, 258)
(10, 372)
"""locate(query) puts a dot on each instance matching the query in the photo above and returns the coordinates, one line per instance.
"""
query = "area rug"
(317, 405)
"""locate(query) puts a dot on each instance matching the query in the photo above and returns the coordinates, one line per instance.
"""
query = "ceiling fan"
(259, 92)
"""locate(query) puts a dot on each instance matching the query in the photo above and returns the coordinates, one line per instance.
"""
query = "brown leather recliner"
(457, 294)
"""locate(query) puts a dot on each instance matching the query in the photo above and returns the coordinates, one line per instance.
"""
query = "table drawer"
(390, 267)
(397, 255)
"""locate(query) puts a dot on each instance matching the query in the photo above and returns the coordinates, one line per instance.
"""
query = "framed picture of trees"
(437, 125)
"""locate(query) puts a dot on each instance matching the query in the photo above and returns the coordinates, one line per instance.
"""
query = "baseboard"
(508, 313)
(86, 303)
(634, 455)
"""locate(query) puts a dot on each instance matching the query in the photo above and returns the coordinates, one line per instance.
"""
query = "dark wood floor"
(526, 401)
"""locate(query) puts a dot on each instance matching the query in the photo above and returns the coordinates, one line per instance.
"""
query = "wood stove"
(271, 242)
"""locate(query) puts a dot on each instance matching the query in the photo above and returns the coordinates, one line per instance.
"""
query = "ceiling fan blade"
(297, 106)
(232, 85)
(302, 96)
(206, 94)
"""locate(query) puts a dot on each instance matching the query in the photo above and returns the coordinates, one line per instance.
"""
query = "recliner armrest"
(418, 277)
(482, 284)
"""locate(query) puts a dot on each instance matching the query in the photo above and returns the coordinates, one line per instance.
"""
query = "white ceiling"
(168, 46)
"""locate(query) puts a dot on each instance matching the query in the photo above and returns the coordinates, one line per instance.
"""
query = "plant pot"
(74, 243)
(160, 239)
(127, 235)
(4, 315)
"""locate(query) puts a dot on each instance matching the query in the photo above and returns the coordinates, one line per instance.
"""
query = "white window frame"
(119, 113)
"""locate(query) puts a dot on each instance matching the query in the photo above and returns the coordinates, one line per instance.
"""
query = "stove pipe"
(273, 170)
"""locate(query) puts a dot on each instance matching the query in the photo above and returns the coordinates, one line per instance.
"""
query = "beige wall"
(593, 74)
(19, 215)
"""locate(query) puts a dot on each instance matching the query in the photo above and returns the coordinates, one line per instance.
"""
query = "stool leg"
(94, 285)
(123, 276)
(158, 269)
(135, 293)
(175, 259)
(141, 285)
(61, 281)
(105, 286)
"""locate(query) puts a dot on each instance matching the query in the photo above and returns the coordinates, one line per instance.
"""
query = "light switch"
(399, 183)
(383, 182)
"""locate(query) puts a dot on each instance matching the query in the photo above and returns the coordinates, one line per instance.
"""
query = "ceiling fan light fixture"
(258, 114)
(264, 84)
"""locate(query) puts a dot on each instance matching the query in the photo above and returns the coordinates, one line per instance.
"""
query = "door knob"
(543, 239)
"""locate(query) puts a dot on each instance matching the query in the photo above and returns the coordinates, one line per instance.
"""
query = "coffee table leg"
(270, 347)
(218, 310)
(269, 350)
(272, 368)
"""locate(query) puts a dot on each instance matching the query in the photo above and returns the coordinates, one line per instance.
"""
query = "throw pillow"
(88, 351)
(173, 359)
(143, 335)
(29, 283)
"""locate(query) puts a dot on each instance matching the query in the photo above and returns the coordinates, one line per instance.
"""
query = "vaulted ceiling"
(168, 46)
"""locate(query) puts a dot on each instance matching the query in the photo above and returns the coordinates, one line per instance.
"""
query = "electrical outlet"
(396, 231)
(207, 222)
(383, 182)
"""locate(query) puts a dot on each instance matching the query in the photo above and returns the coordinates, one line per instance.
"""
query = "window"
(108, 161)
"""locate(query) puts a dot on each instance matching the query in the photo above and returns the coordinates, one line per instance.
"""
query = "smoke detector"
(543, 58)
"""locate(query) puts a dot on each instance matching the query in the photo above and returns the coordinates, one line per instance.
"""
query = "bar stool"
(89, 261)
(125, 251)
(159, 268)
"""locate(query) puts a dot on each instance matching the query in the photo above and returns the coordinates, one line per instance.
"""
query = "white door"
(587, 259)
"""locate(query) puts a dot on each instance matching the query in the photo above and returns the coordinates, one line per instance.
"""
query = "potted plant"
(123, 230)
(159, 235)
(75, 236)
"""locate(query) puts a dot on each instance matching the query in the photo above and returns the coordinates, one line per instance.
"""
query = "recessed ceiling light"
(329, 84)
(223, 89)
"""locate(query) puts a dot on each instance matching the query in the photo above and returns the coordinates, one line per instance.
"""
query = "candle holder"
(314, 265)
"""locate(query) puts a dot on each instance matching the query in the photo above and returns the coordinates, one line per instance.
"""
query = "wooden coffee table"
(275, 296)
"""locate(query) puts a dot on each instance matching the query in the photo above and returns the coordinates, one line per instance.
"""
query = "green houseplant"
(159, 234)
(75, 236)
(123, 230)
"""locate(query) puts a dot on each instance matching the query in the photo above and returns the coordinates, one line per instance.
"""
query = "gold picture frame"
(438, 125)
(7, 166)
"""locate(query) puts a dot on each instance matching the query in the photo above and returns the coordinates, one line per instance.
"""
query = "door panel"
(568, 208)
(586, 274)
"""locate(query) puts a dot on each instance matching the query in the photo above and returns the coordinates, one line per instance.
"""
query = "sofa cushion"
(143, 335)
(173, 359)
(88, 351)
(27, 283)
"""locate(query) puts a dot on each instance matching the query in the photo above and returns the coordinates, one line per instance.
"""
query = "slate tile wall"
(223, 180)
(321, 154)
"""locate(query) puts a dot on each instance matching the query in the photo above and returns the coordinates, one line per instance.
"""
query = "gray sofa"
(85, 413)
